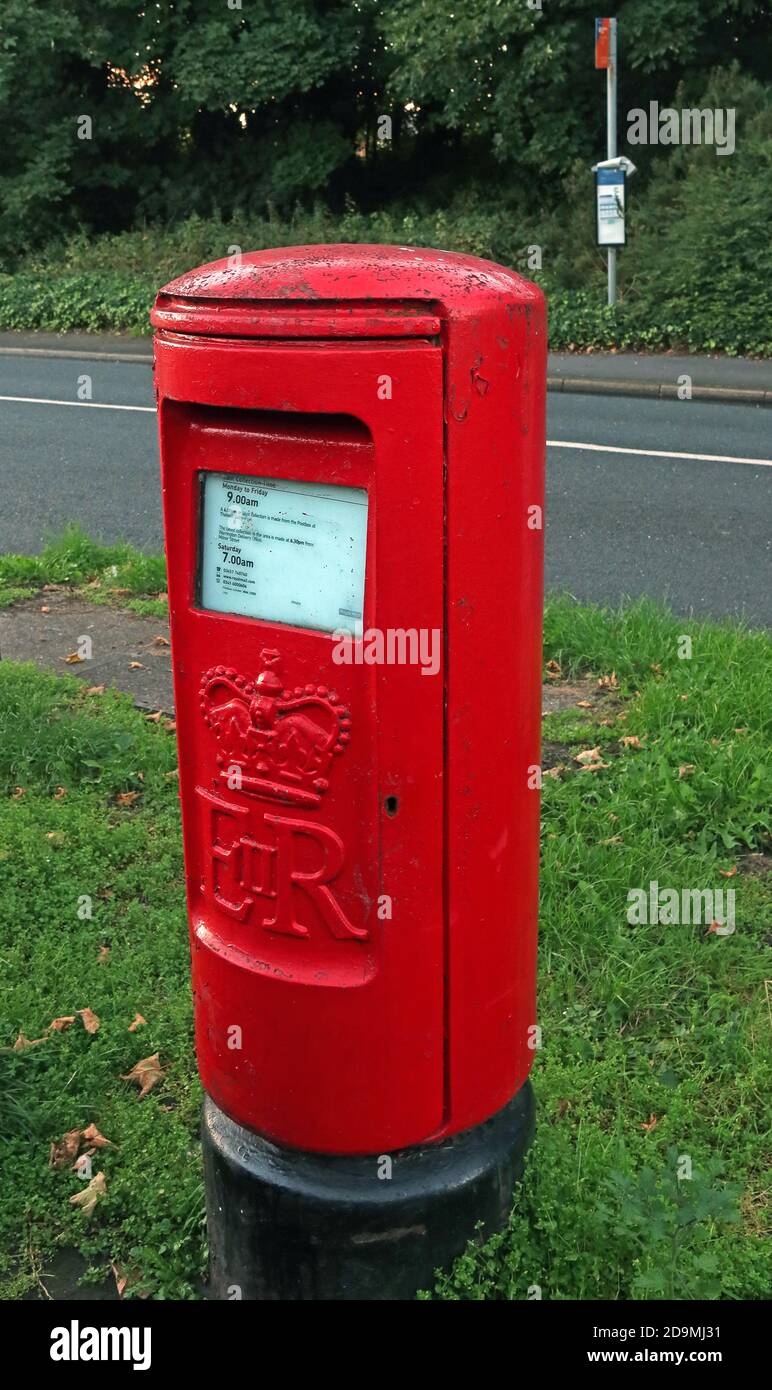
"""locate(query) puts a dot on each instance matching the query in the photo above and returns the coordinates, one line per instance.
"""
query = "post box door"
(312, 788)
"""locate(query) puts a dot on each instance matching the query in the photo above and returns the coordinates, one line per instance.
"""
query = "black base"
(289, 1225)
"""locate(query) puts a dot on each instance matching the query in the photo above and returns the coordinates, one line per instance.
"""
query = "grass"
(654, 1061)
(107, 574)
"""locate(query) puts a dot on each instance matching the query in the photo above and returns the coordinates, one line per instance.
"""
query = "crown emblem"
(282, 740)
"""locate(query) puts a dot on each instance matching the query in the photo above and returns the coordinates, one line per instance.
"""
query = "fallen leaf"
(553, 671)
(57, 837)
(137, 1022)
(609, 682)
(655, 666)
(22, 1042)
(60, 1025)
(104, 955)
(95, 690)
(145, 1074)
(45, 608)
(170, 726)
(584, 704)
(154, 718)
(554, 771)
(89, 1020)
(593, 767)
(87, 1199)
(563, 1107)
(169, 776)
(683, 697)
(161, 641)
(720, 929)
(728, 873)
(59, 793)
(120, 1280)
(631, 741)
(64, 1150)
(17, 792)
(742, 730)
(127, 798)
(612, 840)
(588, 755)
(136, 666)
(72, 658)
(685, 770)
(92, 1136)
(650, 1124)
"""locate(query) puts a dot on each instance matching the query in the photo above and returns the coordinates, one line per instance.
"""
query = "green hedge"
(116, 302)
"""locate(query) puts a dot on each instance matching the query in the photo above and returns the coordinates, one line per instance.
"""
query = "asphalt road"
(693, 531)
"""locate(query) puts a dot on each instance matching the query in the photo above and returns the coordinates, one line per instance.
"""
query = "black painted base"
(289, 1225)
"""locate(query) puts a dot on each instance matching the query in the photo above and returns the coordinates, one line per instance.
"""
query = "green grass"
(108, 574)
(657, 1021)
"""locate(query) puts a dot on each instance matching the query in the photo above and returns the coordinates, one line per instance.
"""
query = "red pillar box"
(352, 444)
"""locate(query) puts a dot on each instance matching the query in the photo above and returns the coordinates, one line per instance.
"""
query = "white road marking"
(551, 443)
(94, 405)
(656, 453)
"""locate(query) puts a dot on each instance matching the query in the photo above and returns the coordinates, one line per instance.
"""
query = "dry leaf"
(120, 1280)
(728, 873)
(593, 767)
(87, 1199)
(609, 682)
(720, 929)
(145, 1074)
(64, 1150)
(95, 690)
(742, 730)
(104, 954)
(22, 1042)
(89, 1020)
(683, 697)
(169, 776)
(60, 1025)
(655, 666)
(137, 1022)
(127, 798)
(552, 671)
(631, 741)
(72, 658)
(57, 837)
(584, 704)
(588, 755)
(685, 770)
(17, 792)
(136, 666)
(154, 718)
(161, 641)
(170, 726)
(612, 840)
(92, 1136)
(650, 1124)
(45, 608)
(554, 771)
(59, 793)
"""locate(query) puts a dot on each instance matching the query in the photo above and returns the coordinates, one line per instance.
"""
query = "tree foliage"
(231, 108)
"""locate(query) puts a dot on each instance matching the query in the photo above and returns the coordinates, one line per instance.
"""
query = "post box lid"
(339, 291)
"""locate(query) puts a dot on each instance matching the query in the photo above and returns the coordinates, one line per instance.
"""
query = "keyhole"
(392, 805)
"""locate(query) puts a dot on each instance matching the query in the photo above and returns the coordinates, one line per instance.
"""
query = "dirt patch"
(117, 639)
(562, 695)
(45, 629)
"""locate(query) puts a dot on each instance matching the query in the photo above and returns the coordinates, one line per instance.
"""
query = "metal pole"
(611, 141)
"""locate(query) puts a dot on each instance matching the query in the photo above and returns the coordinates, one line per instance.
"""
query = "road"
(628, 511)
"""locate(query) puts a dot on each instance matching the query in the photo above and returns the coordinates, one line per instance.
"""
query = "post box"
(352, 448)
